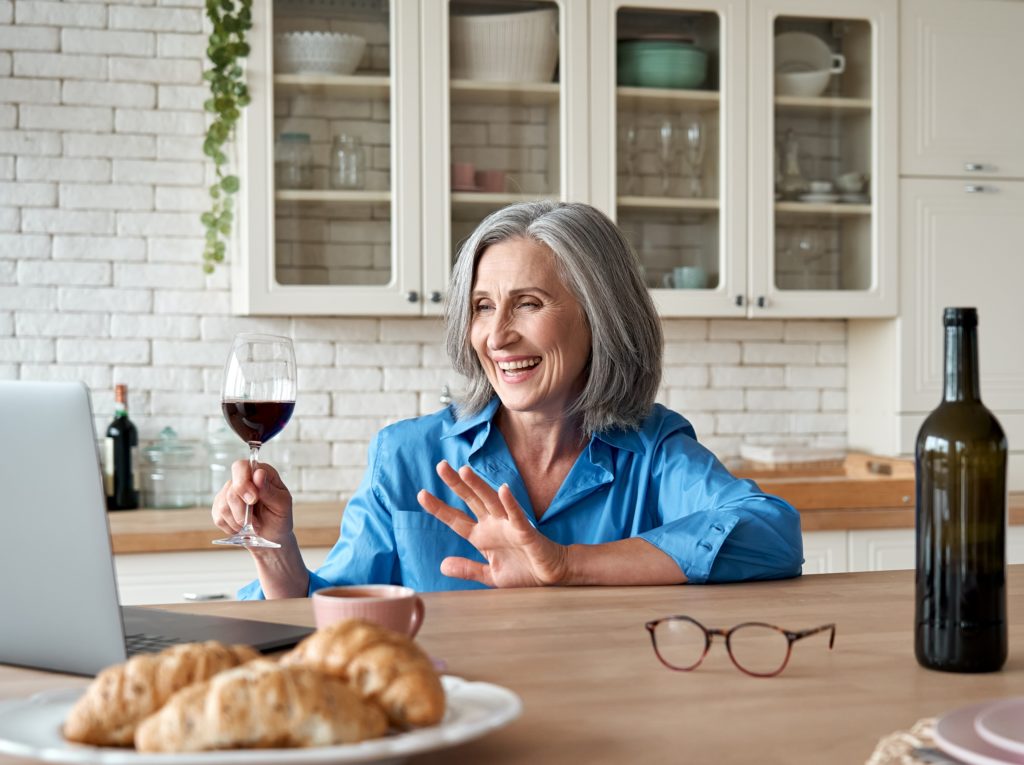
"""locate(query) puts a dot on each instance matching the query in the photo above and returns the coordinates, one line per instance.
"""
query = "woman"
(568, 470)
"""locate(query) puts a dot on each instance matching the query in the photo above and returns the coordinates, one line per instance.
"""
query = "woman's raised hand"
(264, 488)
(517, 554)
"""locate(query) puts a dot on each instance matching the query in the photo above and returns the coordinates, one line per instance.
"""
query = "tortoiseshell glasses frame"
(730, 634)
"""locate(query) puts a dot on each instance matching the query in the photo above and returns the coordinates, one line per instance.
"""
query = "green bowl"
(661, 64)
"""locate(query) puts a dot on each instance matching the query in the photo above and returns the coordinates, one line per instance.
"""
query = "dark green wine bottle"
(960, 614)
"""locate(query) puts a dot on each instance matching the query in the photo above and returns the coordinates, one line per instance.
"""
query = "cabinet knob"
(435, 297)
(412, 296)
(761, 301)
(739, 300)
(973, 167)
(975, 188)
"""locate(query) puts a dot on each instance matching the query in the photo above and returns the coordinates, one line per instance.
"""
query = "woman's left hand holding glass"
(517, 554)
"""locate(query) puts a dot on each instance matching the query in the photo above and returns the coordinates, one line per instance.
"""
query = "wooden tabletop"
(593, 691)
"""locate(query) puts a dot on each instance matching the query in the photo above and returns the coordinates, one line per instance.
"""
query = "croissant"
(258, 705)
(383, 666)
(121, 696)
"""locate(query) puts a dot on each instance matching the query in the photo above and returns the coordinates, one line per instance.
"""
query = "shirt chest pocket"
(422, 540)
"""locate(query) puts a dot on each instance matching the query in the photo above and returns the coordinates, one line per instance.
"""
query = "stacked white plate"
(989, 733)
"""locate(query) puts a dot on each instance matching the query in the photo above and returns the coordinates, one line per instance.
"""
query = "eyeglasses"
(761, 650)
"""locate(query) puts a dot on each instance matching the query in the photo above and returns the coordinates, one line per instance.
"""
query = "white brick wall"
(101, 180)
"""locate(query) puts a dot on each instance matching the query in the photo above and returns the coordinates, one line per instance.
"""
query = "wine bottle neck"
(961, 373)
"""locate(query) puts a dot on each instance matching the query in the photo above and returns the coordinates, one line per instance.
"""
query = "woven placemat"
(911, 747)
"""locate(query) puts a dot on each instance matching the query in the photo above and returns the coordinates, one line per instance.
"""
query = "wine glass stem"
(254, 455)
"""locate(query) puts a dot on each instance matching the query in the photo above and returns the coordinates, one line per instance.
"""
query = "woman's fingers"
(483, 490)
(464, 568)
(513, 510)
(457, 521)
(242, 483)
(236, 506)
(456, 483)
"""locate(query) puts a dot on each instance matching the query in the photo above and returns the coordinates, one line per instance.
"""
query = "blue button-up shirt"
(657, 483)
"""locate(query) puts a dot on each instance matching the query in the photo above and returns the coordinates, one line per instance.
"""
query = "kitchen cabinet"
(959, 246)
(963, 105)
(165, 577)
(387, 249)
(836, 552)
(961, 205)
(759, 252)
(447, 143)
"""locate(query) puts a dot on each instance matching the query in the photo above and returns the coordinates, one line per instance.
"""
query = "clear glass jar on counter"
(222, 448)
(348, 163)
(170, 475)
(293, 161)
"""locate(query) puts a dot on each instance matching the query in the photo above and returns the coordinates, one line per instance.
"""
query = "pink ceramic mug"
(389, 605)
(463, 175)
(491, 180)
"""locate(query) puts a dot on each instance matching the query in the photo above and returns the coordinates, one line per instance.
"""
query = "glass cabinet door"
(500, 127)
(822, 199)
(325, 129)
(504, 97)
(673, 94)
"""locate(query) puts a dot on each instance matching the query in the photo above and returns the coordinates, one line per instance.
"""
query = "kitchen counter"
(865, 492)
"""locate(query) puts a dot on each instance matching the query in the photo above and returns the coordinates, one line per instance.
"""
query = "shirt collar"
(481, 421)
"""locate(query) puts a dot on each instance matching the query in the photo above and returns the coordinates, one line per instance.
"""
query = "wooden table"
(593, 691)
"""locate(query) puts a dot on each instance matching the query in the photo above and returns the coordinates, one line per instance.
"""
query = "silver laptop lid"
(58, 591)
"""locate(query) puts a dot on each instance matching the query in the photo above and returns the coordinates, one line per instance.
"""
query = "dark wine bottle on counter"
(122, 440)
(961, 518)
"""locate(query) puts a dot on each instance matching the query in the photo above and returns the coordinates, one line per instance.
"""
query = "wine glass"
(696, 142)
(257, 399)
(808, 250)
(668, 137)
(631, 152)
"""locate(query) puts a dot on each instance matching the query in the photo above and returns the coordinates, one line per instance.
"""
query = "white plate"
(1002, 724)
(827, 198)
(955, 735)
(31, 728)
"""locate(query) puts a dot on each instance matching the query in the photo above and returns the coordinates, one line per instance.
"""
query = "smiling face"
(528, 330)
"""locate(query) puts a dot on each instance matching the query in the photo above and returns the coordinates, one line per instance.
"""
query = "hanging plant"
(229, 94)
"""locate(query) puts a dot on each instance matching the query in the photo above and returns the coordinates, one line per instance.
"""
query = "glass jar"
(793, 183)
(222, 448)
(170, 476)
(293, 161)
(348, 163)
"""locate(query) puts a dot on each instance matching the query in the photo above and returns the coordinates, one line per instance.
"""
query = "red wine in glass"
(257, 421)
(257, 399)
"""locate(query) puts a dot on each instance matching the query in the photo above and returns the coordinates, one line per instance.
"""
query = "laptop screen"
(58, 592)
(58, 588)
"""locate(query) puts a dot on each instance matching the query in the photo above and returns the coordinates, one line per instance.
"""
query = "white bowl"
(317, 52)
(852, 183)
(804, 52)
(505, 47)
(805, 84)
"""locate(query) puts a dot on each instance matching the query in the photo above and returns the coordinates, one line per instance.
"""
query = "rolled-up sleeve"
(716, 527)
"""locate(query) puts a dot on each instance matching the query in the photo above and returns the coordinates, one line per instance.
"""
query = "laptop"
(59, 607)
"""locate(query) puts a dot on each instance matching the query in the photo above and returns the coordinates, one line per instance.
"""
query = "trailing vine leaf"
(229, 94)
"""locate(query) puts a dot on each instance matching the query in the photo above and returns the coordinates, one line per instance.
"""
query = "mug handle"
(416, 621)
(838, 63)
(668, 281)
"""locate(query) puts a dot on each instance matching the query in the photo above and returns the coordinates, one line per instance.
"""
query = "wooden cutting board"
(862, 481)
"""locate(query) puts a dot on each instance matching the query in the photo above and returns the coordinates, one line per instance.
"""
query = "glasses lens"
(680, 643)
(759, 649)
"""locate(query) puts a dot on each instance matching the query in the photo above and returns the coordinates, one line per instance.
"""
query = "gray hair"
(597, 264)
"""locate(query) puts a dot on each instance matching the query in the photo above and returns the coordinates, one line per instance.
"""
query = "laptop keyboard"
(142, 643)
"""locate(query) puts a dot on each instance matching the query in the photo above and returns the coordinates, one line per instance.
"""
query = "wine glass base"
(246, 540)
